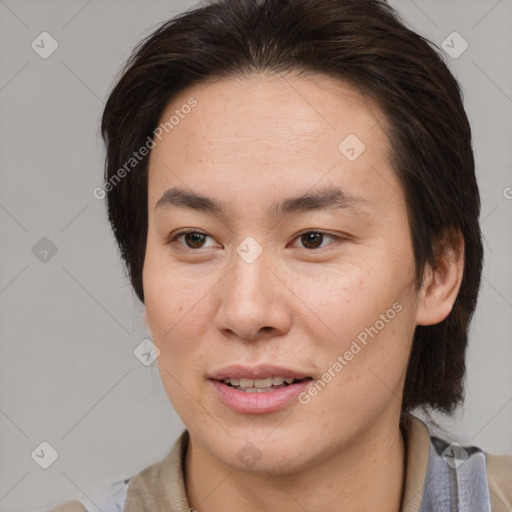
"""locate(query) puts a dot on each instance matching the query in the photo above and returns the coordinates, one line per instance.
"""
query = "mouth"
(262, 385)
(251, 392)
(260, 389)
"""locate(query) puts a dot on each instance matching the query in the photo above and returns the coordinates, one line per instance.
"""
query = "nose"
(253, 301)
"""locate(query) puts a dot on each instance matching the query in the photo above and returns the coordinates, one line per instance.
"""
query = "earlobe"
(441, 284)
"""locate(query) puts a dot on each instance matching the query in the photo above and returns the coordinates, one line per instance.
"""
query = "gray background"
(69, 324)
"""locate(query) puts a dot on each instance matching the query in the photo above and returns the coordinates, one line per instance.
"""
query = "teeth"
(265, 383)
(235, 382)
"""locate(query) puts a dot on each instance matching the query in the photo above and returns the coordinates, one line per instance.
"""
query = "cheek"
(176, 317)
(171, 299)
(363, 371)
(175, 314)
(369, 313)
(346, 297)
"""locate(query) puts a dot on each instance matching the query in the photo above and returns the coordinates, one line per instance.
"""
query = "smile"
(259, 385)
(259, 396)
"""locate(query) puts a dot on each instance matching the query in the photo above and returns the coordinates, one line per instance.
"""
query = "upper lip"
(257, 372)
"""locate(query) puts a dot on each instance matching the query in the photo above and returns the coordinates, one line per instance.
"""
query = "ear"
(441, 284)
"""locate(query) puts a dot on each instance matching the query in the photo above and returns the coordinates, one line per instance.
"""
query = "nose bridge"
(250, 299)
(249, 286)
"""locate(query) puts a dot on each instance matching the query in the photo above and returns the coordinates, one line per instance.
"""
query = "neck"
(368, 475)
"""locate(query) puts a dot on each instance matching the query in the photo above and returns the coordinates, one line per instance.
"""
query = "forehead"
(272, 135)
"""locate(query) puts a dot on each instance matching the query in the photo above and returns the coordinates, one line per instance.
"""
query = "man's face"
(320, 288)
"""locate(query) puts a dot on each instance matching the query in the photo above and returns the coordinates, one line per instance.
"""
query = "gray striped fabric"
(456, 479)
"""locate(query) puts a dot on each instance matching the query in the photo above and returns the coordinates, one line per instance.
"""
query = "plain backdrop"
(69, 322)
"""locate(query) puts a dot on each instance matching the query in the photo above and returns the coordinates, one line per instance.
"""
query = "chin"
(266, 452)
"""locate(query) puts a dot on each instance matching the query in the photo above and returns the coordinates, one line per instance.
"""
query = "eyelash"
(173, 238)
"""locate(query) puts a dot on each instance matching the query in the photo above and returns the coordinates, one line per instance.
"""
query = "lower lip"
(259, 403)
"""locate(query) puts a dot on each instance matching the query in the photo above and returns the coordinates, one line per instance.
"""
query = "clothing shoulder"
(70, 506)
(108, 499)
(151, 489)
(499, 477)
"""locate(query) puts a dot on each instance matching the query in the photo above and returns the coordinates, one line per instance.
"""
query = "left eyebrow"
(329, 198)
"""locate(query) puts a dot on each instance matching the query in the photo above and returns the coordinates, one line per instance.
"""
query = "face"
(278, 246)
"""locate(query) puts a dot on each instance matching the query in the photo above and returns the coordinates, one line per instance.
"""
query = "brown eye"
(191, 240)
(316, 239)
(312, 240)
(194, 240)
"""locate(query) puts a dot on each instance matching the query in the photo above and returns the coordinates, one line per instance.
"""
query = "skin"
(252, 141)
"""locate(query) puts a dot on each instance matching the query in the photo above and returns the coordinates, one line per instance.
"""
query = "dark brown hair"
(364, 43)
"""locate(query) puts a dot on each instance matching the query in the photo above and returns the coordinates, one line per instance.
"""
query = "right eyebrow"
(181, 198)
